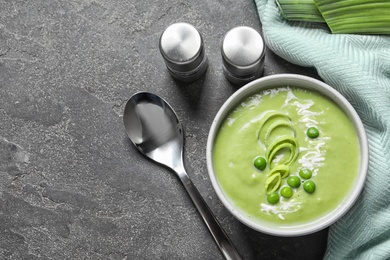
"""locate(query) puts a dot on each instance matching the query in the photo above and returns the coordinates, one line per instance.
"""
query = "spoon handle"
(225, 245)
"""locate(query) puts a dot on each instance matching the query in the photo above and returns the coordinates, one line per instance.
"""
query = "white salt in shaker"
(182, 48)
(243, 54)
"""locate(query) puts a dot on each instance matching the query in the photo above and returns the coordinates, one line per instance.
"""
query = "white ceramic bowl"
(304, 82)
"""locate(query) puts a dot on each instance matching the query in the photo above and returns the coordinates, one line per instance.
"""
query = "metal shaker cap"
(243, 53)
(181, 45)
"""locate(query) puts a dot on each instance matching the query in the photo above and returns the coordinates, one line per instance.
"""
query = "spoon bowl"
(153, 127)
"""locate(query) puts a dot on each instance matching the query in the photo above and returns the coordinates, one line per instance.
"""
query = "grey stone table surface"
(72, 186)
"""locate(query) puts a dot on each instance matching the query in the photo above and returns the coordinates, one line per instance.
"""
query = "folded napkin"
(358, 66)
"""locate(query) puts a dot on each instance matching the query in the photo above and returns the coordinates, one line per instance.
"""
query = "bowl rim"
(306, 82)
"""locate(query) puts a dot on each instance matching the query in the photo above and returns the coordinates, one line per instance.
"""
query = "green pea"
(286, 192)
(305, 174)
(294, 181)
(309, 186)
(273, 198)
(260, 163)
(312, 132)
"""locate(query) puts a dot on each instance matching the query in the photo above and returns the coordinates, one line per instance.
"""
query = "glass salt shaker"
(182, 48)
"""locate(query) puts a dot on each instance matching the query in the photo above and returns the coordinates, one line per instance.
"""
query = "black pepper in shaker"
(182, 48)
(243, 54)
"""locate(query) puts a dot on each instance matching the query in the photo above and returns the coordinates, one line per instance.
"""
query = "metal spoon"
(155, 130)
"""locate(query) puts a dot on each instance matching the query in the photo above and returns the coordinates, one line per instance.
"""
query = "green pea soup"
(332, 156)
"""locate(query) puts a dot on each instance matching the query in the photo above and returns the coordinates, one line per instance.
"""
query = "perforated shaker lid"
(243, 51)
(181, 45)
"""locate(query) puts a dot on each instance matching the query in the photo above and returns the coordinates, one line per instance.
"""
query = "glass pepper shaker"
(243, 54)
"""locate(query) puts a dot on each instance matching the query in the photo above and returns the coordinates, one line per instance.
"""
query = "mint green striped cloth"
(358, 66)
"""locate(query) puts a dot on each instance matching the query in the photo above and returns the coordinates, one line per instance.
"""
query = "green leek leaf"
(300, 10)
(356, 16)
